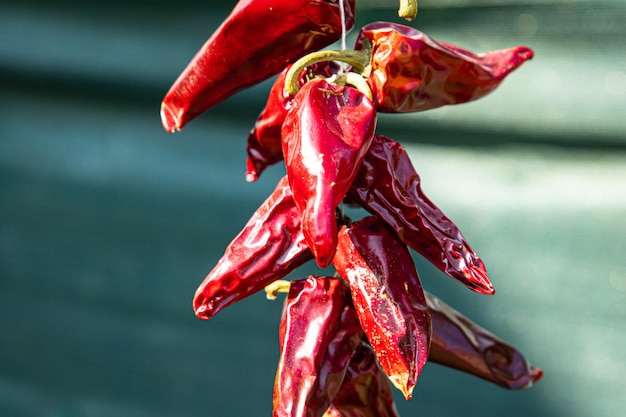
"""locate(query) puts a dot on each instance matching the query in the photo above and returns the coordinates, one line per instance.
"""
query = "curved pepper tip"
(479, 280)
(323, 256)
(536, 375)
(200, 307)
(486, 287)
(403, 383)
(200, 312)
(171, 119)
(524, 53)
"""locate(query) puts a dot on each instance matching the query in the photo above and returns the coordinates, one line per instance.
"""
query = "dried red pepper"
(318, 333)
(264, 141)
(388, 298)
(269, 247)
(411, 72)
(264, 144)
(365, 391)
(459, 343)
(388, 186)
(257, 40)
(325, 136)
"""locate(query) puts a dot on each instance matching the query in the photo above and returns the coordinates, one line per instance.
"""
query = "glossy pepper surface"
(388, 186)
(411, 72)
(459, 343)
(318, 334)
(264, 141)
(388, 298)
(325, 136)
(257, 40)
(269, 247)
(365, 391)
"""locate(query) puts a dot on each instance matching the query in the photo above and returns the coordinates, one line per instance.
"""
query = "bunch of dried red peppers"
(343, 338)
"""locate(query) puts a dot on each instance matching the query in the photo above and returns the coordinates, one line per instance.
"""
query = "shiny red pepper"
(264, 141)
(318, 333)
(388, 187)
(388, 298)
(365, 391)
(459, 343)
(257, 40)
(325, 137)
(411, 72)
(269, 247)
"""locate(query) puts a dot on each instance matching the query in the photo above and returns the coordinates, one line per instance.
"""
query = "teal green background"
(108, 224)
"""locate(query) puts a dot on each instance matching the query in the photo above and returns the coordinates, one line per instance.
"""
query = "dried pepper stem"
(280, 286)
(408, 9)
(357, 81)
(359, 60)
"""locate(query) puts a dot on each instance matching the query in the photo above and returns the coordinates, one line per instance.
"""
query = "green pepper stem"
(359, 60)
(408, 9)
(357, 81)
(280, 286)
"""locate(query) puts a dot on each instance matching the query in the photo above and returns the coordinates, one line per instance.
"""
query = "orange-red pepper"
(411, 72)
(388, 298)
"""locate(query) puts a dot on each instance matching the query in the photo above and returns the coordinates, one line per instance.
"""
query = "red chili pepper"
(365, 391)
(388, 187)
(319, 332)
(269, 247)
(325, 136)
(459, 343)
(257, 40)
(388, 298)
(411, 72)
(264, 141)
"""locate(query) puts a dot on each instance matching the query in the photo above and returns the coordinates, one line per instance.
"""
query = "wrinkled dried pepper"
(325, 137)
(388, 186)
(318, 333)
(257, 40)
(365, 391)
(270, 246)
(388, 298)
(411, 72)
(459, 343)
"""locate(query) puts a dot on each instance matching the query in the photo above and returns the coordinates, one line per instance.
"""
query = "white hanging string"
(343, 67)
(343, 25)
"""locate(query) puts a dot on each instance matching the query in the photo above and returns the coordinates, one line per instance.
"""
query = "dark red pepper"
(388, 298)
(264, 141)
(325, 136)
(388, 186)
(318, 333)
(411, 72)
(257, 40)
(269, 247)
(264, 145)
(459, 343)
(365, 391)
